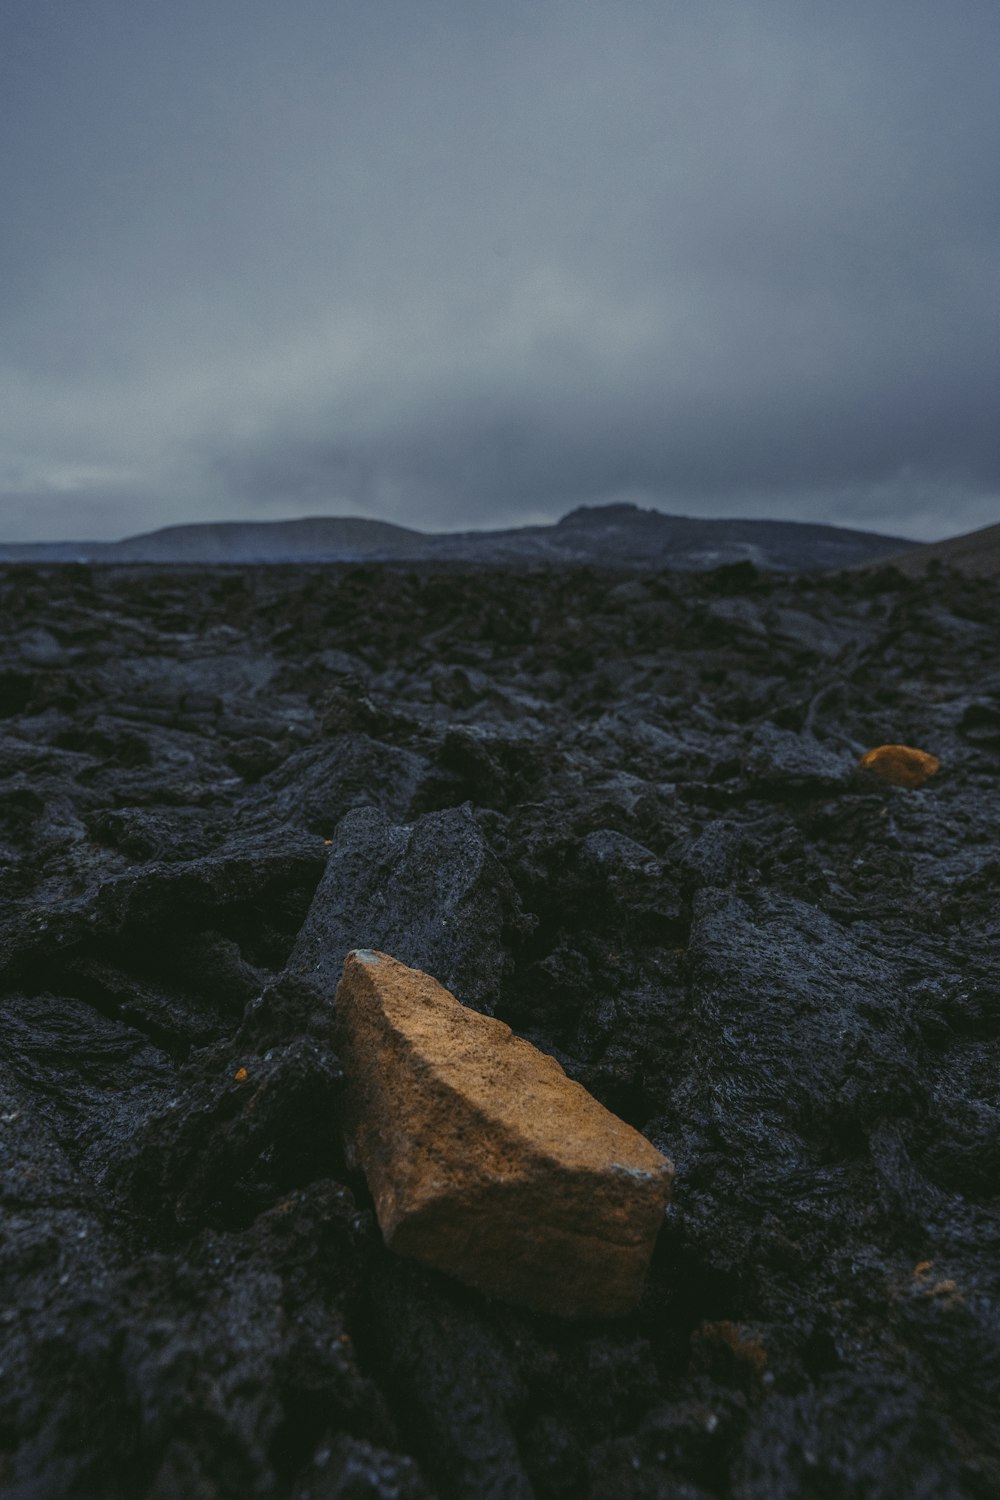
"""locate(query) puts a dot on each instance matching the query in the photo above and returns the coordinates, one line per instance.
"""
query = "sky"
(460, 264)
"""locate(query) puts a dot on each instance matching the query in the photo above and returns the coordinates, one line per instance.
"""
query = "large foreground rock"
(483, 1158)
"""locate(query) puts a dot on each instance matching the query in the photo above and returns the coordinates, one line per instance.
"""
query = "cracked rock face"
(483, 1158)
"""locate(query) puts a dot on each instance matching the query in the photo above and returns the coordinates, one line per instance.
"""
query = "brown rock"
(483, 1158)
(901, 764)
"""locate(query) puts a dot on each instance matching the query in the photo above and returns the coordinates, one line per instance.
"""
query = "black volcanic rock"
(620, 810)
(431, 893)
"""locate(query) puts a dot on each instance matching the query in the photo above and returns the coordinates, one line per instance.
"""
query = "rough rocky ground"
(621, 813)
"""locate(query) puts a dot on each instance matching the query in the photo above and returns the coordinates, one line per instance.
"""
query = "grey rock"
(781, 758)
(431, 893)
(316, 787)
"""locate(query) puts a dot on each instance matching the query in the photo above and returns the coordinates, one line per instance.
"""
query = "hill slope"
(976, 553)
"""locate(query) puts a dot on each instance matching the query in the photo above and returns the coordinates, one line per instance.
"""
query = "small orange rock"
(943, 1289)
(240, 1076)
(901, 764)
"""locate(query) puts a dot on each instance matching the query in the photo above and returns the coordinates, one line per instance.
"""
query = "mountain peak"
(619, 511)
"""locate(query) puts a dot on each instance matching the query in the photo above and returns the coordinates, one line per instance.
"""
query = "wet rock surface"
(624, 815)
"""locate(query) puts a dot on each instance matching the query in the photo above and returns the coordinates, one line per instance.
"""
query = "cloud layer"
(465, 265)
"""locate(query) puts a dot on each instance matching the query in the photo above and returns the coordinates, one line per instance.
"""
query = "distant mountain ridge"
(618, 535)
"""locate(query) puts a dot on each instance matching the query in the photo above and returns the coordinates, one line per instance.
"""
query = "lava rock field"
(624, 814)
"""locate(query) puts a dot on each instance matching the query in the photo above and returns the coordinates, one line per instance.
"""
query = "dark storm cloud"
(458, 264)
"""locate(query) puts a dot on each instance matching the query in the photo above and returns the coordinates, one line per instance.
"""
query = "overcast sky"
(458, 264)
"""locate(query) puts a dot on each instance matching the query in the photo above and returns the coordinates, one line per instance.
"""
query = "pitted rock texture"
(483, 1158)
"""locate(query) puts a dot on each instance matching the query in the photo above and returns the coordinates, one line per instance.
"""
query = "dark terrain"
(622, 813)
(619, 534)
(974, 552)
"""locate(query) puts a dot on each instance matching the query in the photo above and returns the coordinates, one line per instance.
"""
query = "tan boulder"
(901, 764)
(483, 1159)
